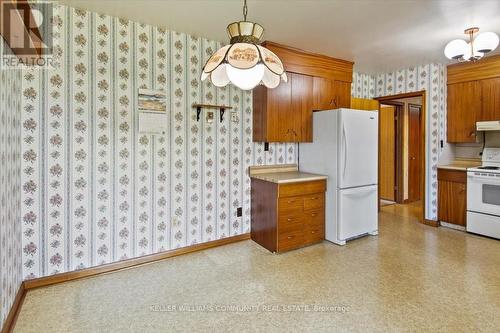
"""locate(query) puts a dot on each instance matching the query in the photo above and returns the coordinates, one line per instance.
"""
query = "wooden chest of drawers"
(288, 216)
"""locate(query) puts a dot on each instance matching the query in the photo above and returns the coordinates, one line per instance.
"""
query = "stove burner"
(489, 168)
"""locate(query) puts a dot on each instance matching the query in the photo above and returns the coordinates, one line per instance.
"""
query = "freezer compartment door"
(358, 153)
(357, 211)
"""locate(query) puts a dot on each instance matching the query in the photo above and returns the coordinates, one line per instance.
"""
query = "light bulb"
(456, 49)
(270, 79)
(219, 76)
(486, 42)
(245, 79)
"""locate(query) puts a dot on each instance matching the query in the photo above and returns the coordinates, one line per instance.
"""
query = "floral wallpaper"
(363, 85)
(432, 79)
(10, 186)
(96, 191)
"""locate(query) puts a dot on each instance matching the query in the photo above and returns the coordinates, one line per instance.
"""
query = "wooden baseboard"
(124, 264)
(453, 226)
(10, 322)
(432, 223)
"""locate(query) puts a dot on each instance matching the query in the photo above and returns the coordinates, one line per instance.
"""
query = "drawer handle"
(289, 219)
(290, 237)
(291, 201)
(313, 232)
(313, 214)
(314, 198)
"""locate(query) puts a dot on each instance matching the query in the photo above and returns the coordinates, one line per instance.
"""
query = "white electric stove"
(483, 195)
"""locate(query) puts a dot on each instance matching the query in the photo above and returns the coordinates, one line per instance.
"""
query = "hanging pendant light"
(473, 50)
(244, 62)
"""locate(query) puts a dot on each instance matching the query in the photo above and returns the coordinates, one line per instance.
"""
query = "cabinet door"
(279, 102)
(300, 117)
(342, 91)
(452, 202)
(324, 97)
(464, 107)
(490, 89)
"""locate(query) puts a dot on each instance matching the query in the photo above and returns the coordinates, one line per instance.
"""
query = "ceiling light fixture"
(475, 49)
(244, 62)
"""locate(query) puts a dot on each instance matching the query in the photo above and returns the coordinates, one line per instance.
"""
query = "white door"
(357, 211)
(358, 153)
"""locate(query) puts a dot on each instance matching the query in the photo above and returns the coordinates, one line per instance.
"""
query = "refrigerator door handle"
(344, 136)
(362, 193)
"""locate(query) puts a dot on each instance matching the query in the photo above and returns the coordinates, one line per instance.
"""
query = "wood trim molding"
(431, 223)
(307, 63)
(423, 124)
(10, 322)
(402, 95)
(129, 263)
(486, 68)
(400, 182)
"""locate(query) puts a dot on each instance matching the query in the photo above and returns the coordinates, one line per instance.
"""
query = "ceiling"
(378, 35)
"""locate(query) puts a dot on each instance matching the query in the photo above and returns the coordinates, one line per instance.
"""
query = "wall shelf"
(221, 108)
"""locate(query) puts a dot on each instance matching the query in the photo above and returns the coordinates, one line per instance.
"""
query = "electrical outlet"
(175, 221)
(239, 212)
(266, 146)
(210, 117)
(234, 117)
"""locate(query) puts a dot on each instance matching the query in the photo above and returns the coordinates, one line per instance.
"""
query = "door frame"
(423, 131)
(398, 158)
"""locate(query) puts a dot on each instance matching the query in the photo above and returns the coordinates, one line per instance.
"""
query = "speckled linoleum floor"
(410, 278)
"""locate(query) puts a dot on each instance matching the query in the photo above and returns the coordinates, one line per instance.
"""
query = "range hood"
(488, 125)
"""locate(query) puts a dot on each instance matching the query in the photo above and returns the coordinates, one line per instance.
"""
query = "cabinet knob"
(313, 232)
(314, 198)
(290, 237)
(289, 219)
(313, 214)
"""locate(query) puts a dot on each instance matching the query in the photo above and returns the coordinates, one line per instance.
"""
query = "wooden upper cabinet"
(279, 101)
(302, 106)
(284, 114)
(473, 95)
(331, 94)
(324, 94)
(464, 104)
(490, 89)
(315, 82)
(342, 94)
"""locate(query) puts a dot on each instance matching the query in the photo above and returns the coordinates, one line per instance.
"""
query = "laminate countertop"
(460, 165)
(282, 174)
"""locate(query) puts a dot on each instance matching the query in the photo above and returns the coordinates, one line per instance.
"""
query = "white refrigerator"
(345, 148)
